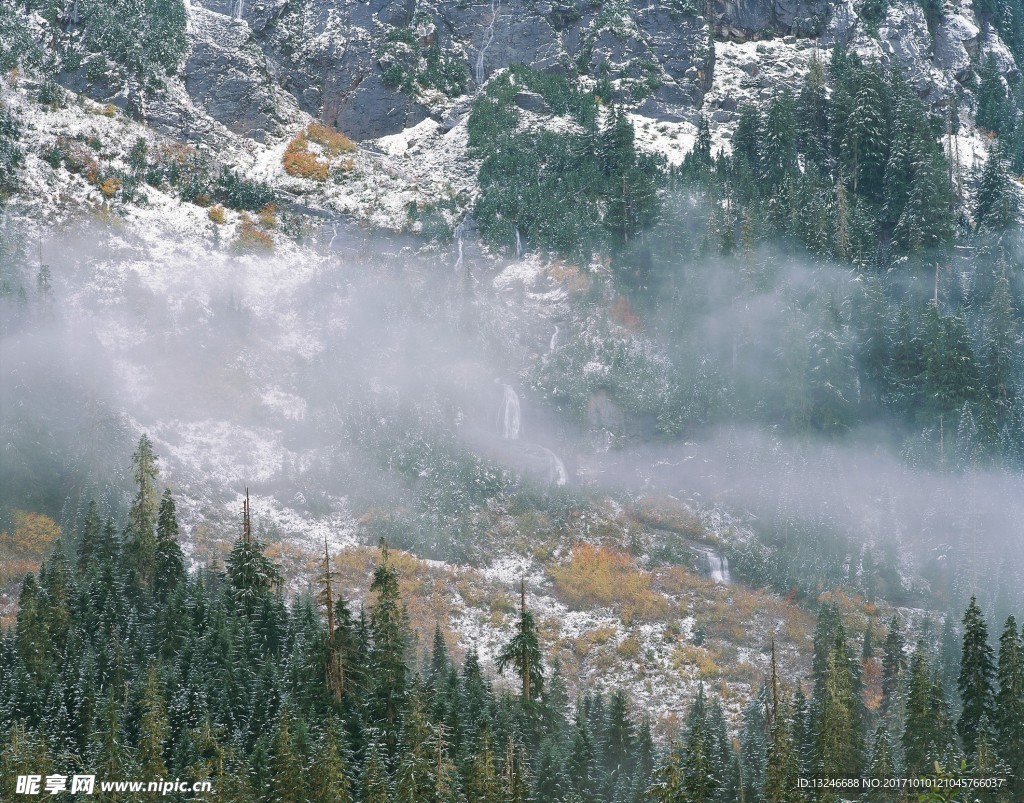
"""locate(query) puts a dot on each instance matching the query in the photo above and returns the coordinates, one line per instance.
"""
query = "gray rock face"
(758, 19)
(374, 67)
(231, 79)
(331, 55)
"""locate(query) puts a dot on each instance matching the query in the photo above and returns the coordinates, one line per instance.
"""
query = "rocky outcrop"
(332, 56)
(231, 79)
(376, 67)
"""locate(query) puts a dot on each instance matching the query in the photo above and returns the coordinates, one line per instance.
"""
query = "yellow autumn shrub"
(602, 576)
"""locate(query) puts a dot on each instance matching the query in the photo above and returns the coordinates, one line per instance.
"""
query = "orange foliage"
(252, 238)
(110, 186)
(216, 214)
(596, 576)
(333, 141)
(299, 161)
(268, 216)
(872, 680)
(33, 534)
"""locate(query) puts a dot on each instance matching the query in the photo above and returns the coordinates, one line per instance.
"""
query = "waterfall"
(458, 240)
(488, 38)
(718, 568)
(508, 418)
(556, 468)
(334, 236)
(519, 245)
(554, 339)
(239, 8)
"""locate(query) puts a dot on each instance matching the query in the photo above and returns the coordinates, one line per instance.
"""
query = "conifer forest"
(503, 401)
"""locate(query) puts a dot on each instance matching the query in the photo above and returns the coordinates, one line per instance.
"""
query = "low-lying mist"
(355, 373)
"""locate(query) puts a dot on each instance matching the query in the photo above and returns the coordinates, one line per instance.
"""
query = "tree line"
(124, 664)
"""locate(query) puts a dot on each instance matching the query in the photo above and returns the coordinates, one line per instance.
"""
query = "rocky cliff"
(374, 68)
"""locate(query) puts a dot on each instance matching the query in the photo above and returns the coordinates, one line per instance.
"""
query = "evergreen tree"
(375, 786)
(287, 778)
(864, 137)
(777, 155)
(700, 781)
(928, 733)
(839, 737)
(169, 568)
(89, 544)
(523, 653)
(997, 205)
(991, 96)
(882, 769)
(977, 676)
(154, 728)
(482, 781)
(1009, 704)
(140, 534)
(388, 671)
(251, 573)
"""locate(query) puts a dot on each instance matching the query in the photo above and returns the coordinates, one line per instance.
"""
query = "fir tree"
(89, 543)
(997, 205)
(140, 534)
(388, 671)
(1009, 703)
(169, 568)
(523, 653)
(251, 573)
(977, 676)
(991, 96)
(882, 769)
(374, 784)
(154, 728)
(287, 778)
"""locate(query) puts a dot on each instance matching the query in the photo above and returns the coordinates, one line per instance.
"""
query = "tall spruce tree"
(1009, 704)
(140, 533)
(389, 632)
(169, 568)
(977, 677)
(251, 574)
(523, 652)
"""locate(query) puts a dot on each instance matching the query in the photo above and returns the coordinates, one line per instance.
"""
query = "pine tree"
(154, 728)
(169, 570)
(388, 671)
(928, 733)
(1002, 335)
(746, 140)
(140, 533)
(991, 96)
(997, 205)
(1009, 704)
(374, 784)
(812, 113)
(782, 769)
(698, 162)
(894, 663)
(754, 745)
(287, 778)
(882, 769)
(668, 785)
(482, 781)
(251, 573)
(416, 778)
(699, 779)
(777, 155)
(89, 544)
(523, 653)
(864, 137)
(977, 676)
